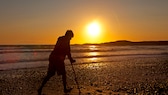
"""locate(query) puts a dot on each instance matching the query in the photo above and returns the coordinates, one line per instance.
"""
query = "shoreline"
(39, 64)
(133, 76)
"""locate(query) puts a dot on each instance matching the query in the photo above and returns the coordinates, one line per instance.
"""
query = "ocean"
(31, 56)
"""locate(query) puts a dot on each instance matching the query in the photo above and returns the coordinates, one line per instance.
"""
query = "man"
(56, 60)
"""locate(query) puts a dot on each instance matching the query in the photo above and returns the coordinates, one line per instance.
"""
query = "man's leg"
(44, 82)
(66, 90)
(64, 81)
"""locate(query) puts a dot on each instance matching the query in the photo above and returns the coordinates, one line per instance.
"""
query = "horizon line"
(91, 43)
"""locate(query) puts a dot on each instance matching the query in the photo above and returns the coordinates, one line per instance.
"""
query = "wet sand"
(140, 76)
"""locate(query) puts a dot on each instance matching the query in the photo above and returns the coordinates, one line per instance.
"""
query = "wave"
(19, 61)
(87, 56)
(78, 48)
(73, 51)
(23, 51)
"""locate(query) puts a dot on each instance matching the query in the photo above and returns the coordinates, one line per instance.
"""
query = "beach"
(110, 47)
(129, 76)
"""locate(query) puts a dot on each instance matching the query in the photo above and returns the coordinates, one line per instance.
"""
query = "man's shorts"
(56, 65)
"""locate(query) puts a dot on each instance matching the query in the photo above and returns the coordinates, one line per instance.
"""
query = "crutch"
(76, 78)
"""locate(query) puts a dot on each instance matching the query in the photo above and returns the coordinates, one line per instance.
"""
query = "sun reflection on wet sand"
(93, 54)
(93, 59)
(93, 47)
(94, 65)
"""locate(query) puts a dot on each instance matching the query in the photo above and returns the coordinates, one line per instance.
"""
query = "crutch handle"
(73, 61)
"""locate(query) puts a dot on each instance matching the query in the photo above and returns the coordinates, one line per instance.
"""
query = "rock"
(98, 90)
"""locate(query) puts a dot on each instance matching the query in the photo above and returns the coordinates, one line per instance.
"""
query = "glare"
(93, 29)
(94, 65)
(93, 47)
(93, 53)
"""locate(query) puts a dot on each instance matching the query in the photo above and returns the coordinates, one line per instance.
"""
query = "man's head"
(69, 34)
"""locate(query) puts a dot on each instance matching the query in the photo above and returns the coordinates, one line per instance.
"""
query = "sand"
(133, 76)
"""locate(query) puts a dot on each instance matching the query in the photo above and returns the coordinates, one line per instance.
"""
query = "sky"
(43, 21)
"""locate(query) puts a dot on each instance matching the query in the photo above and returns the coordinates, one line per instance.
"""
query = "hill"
(125, 42)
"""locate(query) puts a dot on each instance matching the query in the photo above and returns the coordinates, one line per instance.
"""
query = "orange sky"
(42, 22)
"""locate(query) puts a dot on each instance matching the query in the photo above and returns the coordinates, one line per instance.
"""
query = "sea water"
(31, 56)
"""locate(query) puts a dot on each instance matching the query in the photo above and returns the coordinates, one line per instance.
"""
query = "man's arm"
(69, 54)
(70, 58)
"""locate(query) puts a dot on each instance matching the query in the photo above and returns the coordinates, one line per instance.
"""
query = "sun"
(93, 29)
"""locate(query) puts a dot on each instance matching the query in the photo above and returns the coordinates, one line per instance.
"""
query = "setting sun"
(93, 29)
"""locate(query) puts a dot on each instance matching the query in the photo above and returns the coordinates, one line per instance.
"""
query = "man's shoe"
(39, 91)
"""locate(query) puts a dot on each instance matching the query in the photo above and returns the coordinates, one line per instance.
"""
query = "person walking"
(56, 60)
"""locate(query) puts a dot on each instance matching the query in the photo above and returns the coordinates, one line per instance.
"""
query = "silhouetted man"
(56, 60)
